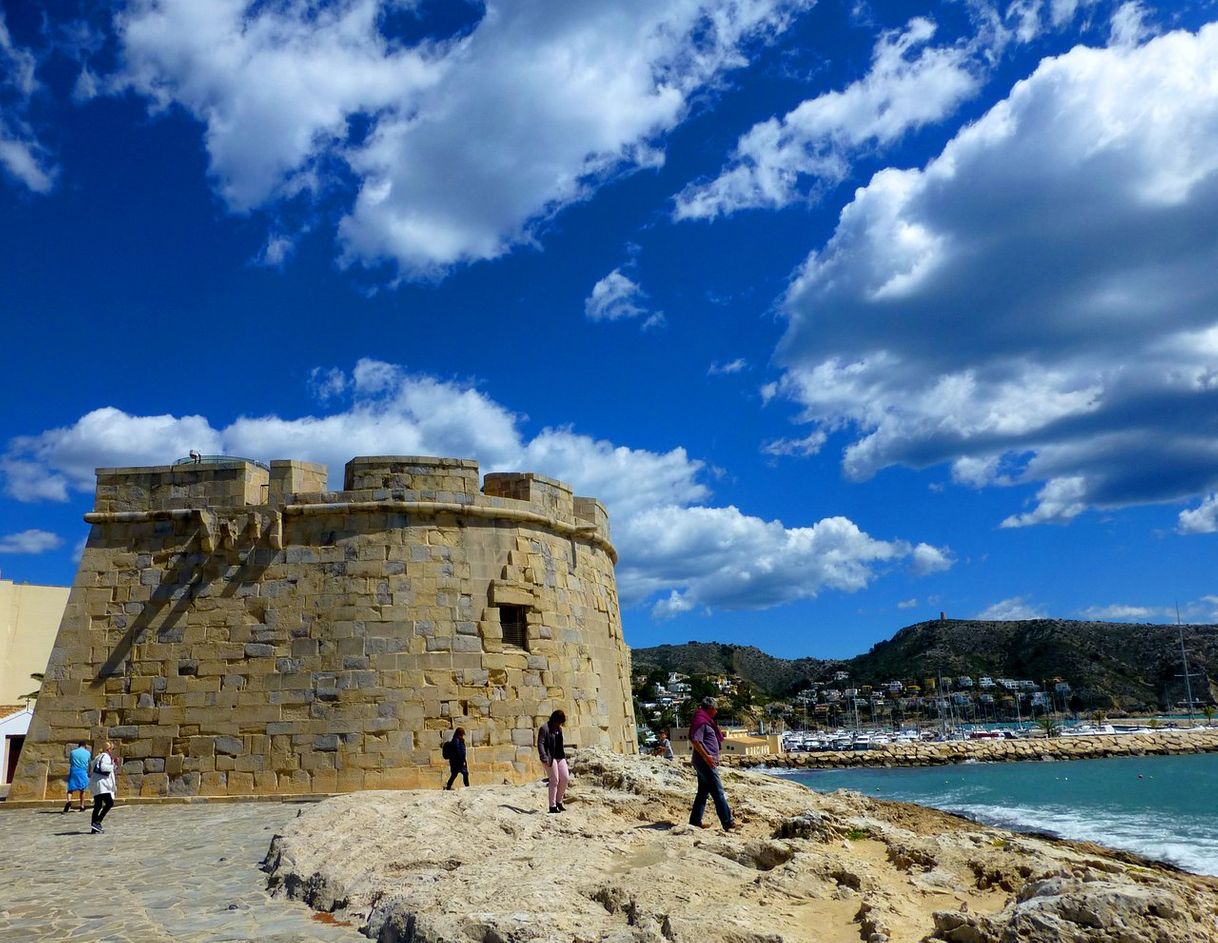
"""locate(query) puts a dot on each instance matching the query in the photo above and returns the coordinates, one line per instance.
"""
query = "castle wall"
(241, 631)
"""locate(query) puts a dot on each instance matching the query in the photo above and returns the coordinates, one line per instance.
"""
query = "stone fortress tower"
(238, 630)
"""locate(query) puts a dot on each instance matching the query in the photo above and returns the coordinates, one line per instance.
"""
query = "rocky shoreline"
(1158, 743)
(622, 865)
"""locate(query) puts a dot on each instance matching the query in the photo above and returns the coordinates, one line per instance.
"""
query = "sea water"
(1161, 807)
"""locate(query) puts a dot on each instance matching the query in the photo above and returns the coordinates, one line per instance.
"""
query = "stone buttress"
(239, 630)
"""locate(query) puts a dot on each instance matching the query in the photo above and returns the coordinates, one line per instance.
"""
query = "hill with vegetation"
(1107, 664)
(773, 676)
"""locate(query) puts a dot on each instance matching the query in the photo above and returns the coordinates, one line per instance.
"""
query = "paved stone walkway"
(159, 874)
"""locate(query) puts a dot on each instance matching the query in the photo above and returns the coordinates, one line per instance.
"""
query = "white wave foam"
(1151, 837)
(1189, 841)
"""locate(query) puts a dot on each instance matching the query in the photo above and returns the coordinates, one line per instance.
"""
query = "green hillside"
(1107, 664)
(775, 676)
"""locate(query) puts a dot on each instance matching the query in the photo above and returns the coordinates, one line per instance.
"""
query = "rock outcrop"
(622, 866)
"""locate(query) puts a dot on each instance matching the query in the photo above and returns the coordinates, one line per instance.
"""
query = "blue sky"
(851, 313)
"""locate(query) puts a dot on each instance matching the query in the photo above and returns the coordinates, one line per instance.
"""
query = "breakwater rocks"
(1157, 743)
(622, 865)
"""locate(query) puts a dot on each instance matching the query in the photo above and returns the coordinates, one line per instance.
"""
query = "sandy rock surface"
(489, 864)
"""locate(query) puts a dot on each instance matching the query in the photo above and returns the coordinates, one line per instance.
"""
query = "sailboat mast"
(1188, 685)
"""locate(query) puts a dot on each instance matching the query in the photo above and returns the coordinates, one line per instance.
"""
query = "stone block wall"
(242, 631)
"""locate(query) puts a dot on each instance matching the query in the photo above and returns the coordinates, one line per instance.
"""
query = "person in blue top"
(78, 775)
(455, 752)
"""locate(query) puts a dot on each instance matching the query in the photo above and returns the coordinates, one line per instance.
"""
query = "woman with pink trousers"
(553, 758)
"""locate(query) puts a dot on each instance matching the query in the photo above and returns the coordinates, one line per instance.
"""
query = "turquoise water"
(1163, 807)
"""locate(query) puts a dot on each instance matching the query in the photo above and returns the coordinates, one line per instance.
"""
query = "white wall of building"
(13, 725)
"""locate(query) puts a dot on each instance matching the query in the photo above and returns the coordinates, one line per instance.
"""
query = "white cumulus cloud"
(1202, 519)
(617, 297)
(273, 84)
(1206, 609)
(1129, 26)
(1039, 304)
(460, 147)
(927, 559)
(676, 552)
(720, 558)
(1029, 18)
(1010, 610)
(1118, 612)
(783, 160)
(66, 458)
(21, 156)
(809, 444)
(1059, 501)
(30, 541)
(717, 369)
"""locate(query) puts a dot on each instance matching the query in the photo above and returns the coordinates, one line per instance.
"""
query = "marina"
(841, 739)
(989, 749)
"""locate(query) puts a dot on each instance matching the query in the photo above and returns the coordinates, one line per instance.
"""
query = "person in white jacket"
(102, 784)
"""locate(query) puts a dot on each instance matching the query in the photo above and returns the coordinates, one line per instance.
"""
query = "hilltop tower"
(238, 630)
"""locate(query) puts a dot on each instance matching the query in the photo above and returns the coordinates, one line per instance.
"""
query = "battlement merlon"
(405, 483)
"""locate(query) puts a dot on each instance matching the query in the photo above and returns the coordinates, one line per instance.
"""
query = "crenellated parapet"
(242, 630)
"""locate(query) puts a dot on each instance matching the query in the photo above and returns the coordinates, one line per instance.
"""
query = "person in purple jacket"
(705, 738)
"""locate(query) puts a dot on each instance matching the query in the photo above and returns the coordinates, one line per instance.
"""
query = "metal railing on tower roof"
(217, 459)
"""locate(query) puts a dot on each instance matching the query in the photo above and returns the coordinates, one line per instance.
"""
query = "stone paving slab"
(159, 874)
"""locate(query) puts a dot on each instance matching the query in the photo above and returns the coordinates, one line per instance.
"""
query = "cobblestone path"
(158, 874)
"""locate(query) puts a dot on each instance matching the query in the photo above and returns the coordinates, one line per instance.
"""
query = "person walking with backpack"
(454, 751)
(103, 785)
(554, 758)
(705, 737)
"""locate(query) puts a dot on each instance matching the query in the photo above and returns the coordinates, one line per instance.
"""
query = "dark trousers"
(461, 771)
(102, 804)
(709, 785)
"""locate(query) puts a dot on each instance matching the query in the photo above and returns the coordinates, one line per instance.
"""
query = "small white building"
(14, 723)
(738, 742)
(742, 745)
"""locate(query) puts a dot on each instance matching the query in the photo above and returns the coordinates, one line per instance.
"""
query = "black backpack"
(446, 749)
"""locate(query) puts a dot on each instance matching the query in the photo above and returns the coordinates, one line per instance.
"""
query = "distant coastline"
(1156, 743)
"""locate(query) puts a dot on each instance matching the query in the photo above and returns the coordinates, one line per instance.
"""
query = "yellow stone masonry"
(238, 630)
